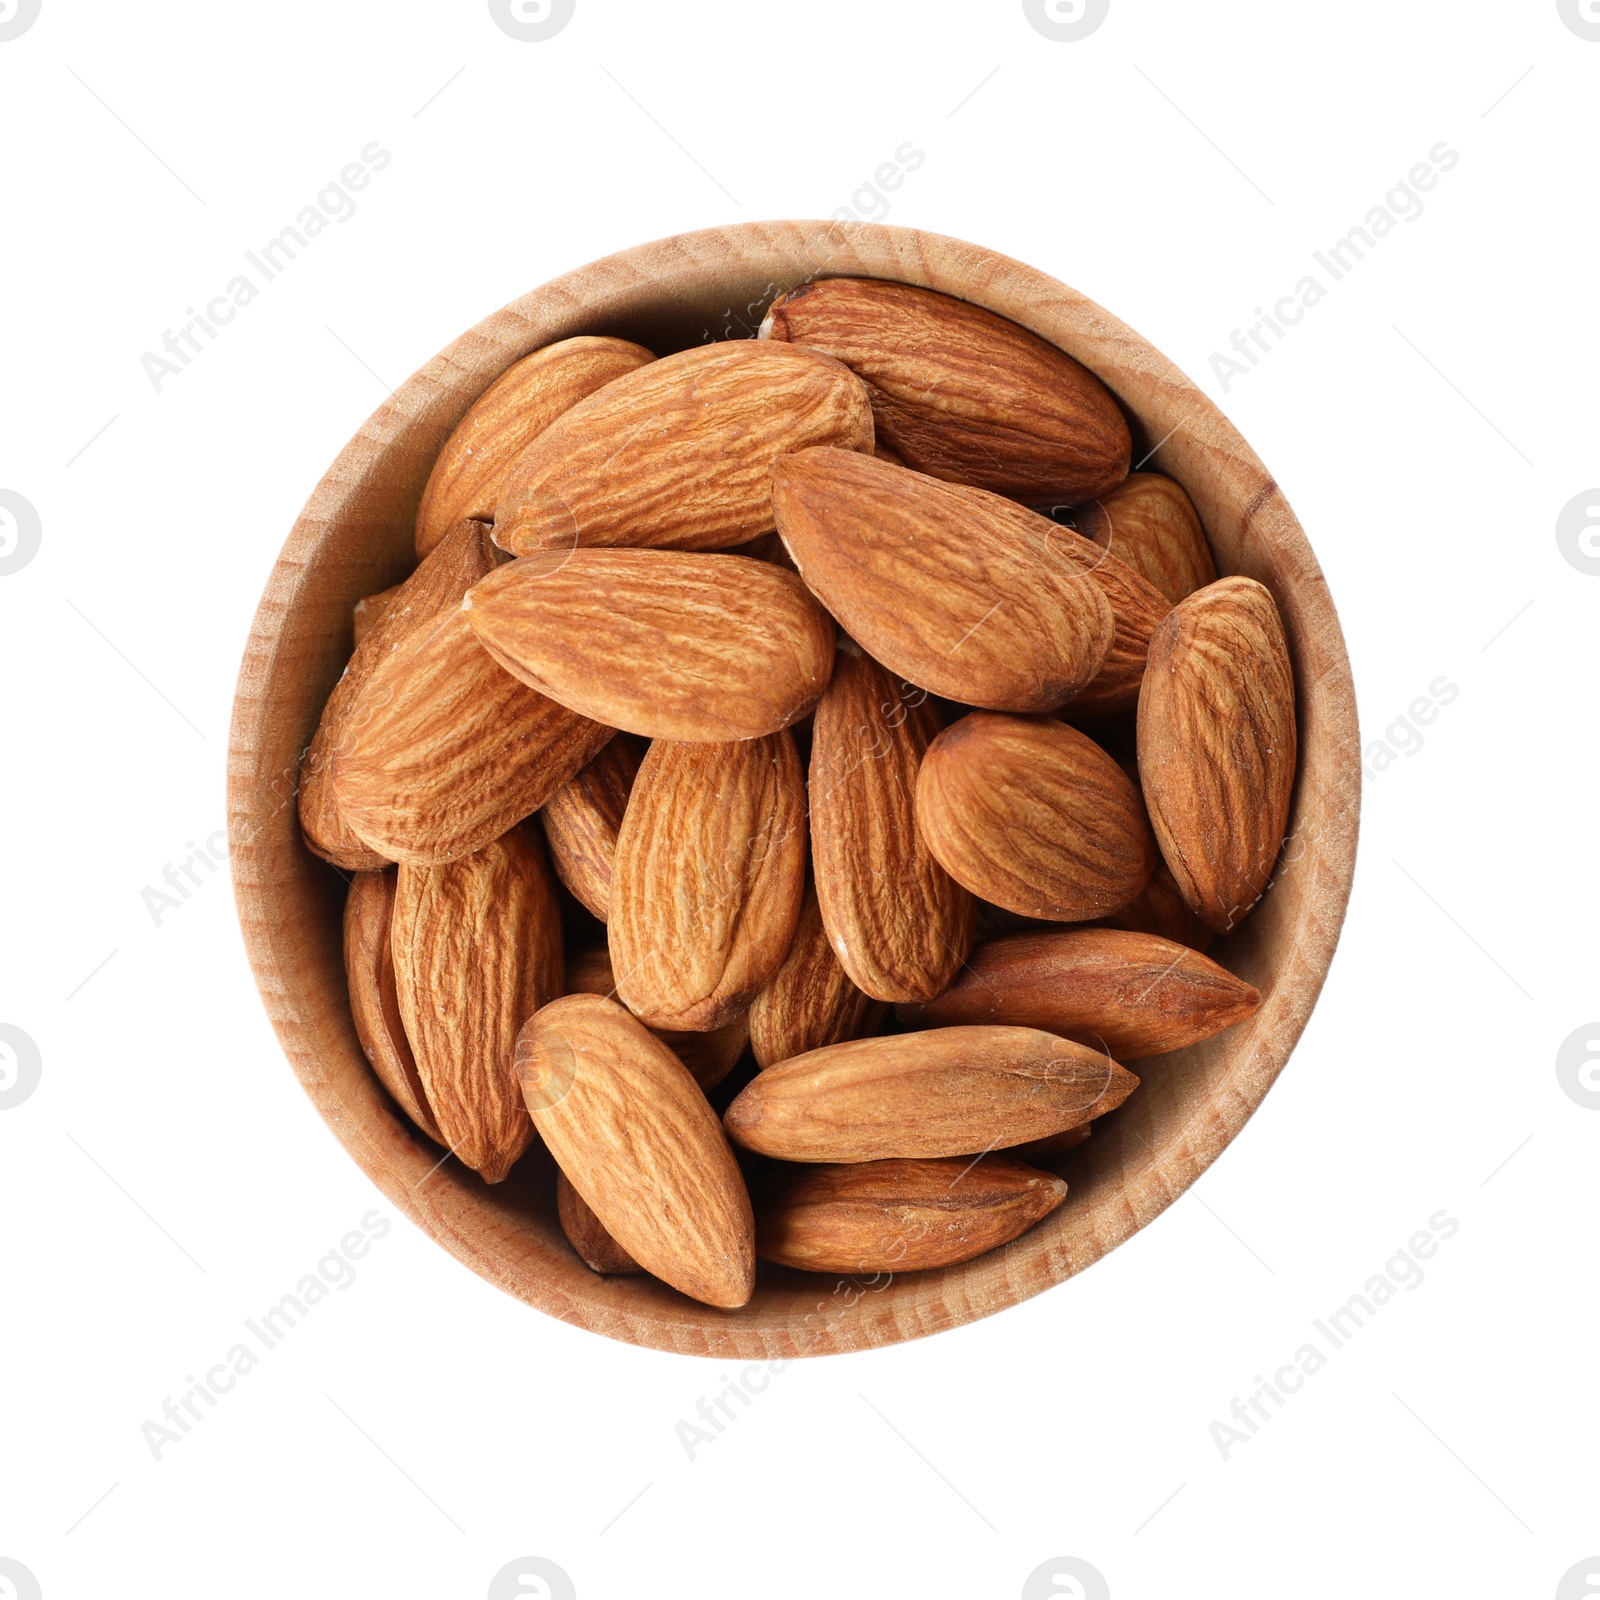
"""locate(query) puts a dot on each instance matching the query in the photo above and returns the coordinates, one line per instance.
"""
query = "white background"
(1428, 422)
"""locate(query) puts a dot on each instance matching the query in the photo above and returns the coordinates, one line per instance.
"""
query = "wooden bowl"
(355, 537)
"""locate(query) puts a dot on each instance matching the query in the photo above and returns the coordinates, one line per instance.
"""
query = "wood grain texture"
(900, 925)
(355, 537)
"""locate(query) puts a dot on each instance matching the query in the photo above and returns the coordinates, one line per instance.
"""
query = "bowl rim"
(351, 531)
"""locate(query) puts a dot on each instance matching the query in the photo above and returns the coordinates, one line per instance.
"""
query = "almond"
(710, 1057)
(507, 417)
(581, 820)
(676, 455)
(663, 643)
(436, 587)
(1217, 746)
(1151, 524)
(899, 924)
(810, 1001)
(1035, 817)
(477, 950)
(444, 750)
(948, 1092)
(709, 875)
(902, 1216)
(374, 1002)
(1128, 994)
(1057, 1144)
(935, 582)
(1161, 909)
(636, 1138)
(1138, 607)
(585, 1232)
(963, 394)
(369, 610)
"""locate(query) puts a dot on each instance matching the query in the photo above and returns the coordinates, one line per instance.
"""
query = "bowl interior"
(355, 537)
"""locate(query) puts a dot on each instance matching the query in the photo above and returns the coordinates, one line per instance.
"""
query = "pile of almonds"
(747, 724)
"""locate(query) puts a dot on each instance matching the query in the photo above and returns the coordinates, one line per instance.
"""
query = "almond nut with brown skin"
(477, 950)
(444, 750)
(374, 1002)
(947, 1092)
(899, 924)
(709, 875)
(581, 820)
(585, 1232)
(1138, 607)
(635, 1136)
(1161, 909)
(710, 1057)
(1151, 524)
(1129, 994)
(435, 588)
(507, 417)
(1056, 1144)
(370, 609)
(937, 583)
(902, 1216)
(669, 644)
(961, 393)
(810, 1001)
(676, 455)
(1033, 816)
(1217, 746)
